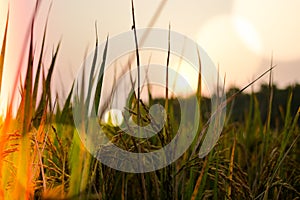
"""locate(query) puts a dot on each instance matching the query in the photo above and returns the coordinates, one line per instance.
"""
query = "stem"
(138, 96)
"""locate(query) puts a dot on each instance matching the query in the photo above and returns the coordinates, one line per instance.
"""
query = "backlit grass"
(42, 157)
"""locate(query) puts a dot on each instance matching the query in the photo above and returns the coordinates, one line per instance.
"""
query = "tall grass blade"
(23, 188)
(76, 160)
(231, 165)
(138, 94)
(47, 86)
(167, 134)
(289, 126)
(38, 71)
(269, 114)
(199, 180)
(221, 107)
(2, 55)
(26, 102)
(66, 109)
(100, 79)
(90, 84)
(3, 130)
(205, 175)
(199, 85)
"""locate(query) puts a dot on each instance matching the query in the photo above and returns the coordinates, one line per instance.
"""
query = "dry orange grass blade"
(231, 167)
(3, 135)
(24, 184)
(23, 188)
(2, 55)
(198, 183)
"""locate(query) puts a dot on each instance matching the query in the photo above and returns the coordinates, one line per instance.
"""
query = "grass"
(42, 157)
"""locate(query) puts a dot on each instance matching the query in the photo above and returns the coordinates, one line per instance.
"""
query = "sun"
(248, 34)
(234, 45)
(278, 25)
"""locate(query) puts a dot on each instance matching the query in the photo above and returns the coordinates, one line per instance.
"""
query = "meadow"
(42, 156)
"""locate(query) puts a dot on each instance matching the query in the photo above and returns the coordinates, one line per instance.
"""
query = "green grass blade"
(47, 85)
(80, 161)
(65, 112)
(199, 86)
(38, 71)
(100, 79)
(289, 125)
(90, 86)
(50, 72)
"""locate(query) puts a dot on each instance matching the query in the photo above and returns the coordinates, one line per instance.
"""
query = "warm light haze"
(239, 36)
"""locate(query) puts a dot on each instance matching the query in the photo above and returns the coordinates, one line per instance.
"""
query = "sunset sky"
(238, 35)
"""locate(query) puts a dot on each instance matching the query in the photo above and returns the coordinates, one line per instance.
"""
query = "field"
(42, 156)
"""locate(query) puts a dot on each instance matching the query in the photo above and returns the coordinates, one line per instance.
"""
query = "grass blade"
(199, 180)
(65, 112)
(90, 86)
(47, 86)
(38, 71)
(27, 90)
(142, 176)
(100, 79)
(2, 55)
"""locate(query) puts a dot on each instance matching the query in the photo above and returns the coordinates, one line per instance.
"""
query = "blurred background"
(239, 36)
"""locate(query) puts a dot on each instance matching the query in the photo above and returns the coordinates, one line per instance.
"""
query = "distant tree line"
(240, 109)
(280, 98)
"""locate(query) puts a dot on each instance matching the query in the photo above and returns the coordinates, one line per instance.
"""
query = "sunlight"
(2, 108)
(278, 24)
(113, 116)
(248, 34)
(186, 79)
(231, 48)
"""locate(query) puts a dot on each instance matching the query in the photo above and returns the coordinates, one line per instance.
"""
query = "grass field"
(42, 157)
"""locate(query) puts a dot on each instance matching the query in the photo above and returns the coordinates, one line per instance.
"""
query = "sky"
(238, 35)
